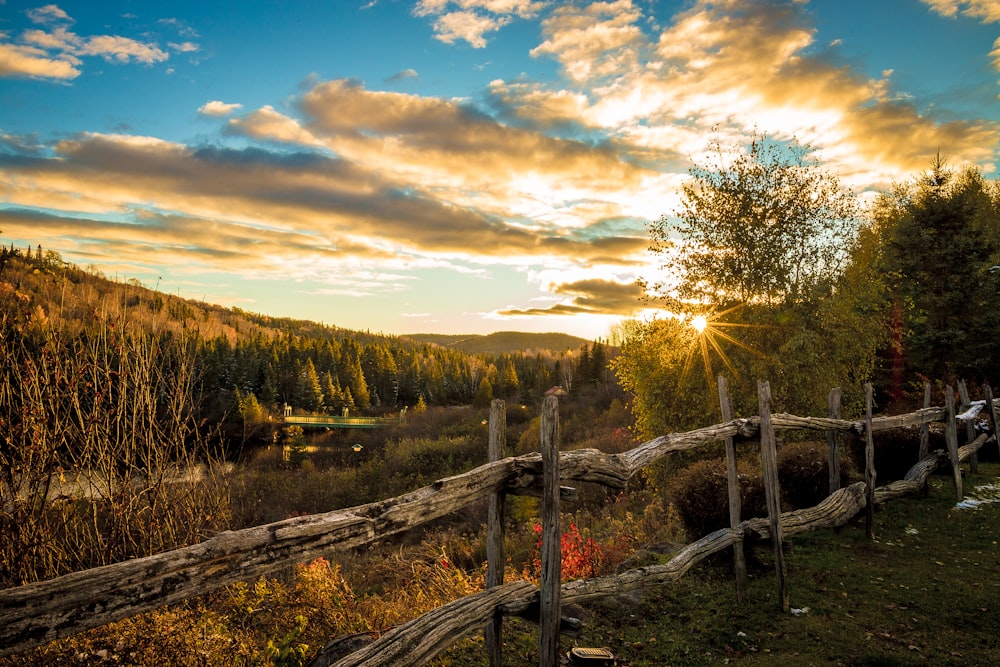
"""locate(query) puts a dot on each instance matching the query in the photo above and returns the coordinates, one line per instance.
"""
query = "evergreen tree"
(484, 395)
(942, 245)
(310, 395)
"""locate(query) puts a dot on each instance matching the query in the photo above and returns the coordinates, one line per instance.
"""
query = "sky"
(450, 166)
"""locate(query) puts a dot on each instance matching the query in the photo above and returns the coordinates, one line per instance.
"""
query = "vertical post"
(739, 558)
(549, 605)
(870, 474)
(951, 437)
(495, 556)
(970, 428)
(925, 435)
(772, 490)
(925, 427)
(988, 395)
(833, 440)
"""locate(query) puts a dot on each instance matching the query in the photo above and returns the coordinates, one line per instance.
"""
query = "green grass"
(925, 592)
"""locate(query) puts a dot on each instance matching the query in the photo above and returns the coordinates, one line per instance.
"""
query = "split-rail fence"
(36, 613)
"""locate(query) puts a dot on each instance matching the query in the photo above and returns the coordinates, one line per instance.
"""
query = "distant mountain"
(503, 342)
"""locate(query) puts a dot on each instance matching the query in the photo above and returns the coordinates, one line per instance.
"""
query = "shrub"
(896, 450)
(803, 474)
(699, 493)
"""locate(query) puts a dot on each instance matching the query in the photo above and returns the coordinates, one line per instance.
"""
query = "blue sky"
(457, 166)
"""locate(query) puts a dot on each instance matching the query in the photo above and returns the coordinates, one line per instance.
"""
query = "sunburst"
(709, 334)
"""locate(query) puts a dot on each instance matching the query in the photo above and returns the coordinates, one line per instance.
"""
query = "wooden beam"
(733, 480)
(772, 489)
(551, 557)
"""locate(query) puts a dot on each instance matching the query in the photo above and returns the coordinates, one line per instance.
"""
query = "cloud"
(589, 42)
(28, 61)
(260, 213)
(588, 297)
(55, 52)
(403, 75)
(472, 20)
(48, 14)
(218, 108)
(988, 11)
(728, 67)
(184, 47)
(270, 125)
(118, 49)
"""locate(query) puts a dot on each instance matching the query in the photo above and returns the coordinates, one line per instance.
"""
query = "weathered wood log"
(835, 510)
(772, 490)
(36, 613)
(951, 438)
(870, 474)
(833, 441)
(925, 428)
(970, 422)
(992, 408)
(549, 550)
(419, 640)
(495, 533)
(733, 488)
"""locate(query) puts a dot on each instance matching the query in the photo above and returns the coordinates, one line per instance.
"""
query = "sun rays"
(708, 335)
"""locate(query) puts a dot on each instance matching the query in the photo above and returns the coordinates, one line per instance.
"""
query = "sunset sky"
(452, 166)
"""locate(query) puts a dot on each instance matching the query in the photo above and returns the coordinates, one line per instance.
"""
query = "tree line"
(249, 366)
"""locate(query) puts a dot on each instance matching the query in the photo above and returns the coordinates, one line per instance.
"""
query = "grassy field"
(925, 592)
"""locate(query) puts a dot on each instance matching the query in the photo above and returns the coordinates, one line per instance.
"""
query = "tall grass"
(101, 458)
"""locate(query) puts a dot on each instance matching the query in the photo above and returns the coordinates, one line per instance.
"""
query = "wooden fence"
(40, 612)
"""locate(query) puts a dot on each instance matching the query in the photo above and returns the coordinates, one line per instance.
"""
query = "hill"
(504, 342)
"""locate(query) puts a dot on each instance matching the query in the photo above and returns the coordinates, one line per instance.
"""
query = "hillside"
(503, 342)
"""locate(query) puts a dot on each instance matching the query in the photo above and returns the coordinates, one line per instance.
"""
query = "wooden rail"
(40, 612)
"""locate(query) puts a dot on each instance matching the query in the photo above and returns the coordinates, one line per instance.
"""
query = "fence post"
(970, 428)
(993, 414)
(870, 474)
(833, 440)
(951, 437)
(772, 489)
(549, 598)
(925, 427)
(739, 558)
(495, 556)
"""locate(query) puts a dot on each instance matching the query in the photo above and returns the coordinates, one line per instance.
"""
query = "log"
(733, 486)
(992, 407)
(772, 490)
(951, 437)
(870, 473)
(970, 422)
(925, 429)
(550, 553)
(517, 598)
(39, 612)
(418, 641)
(833, 441)
(495, 552)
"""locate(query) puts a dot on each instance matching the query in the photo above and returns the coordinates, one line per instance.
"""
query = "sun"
(709, 337)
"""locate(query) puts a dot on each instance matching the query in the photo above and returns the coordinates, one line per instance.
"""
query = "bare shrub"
(101, 459)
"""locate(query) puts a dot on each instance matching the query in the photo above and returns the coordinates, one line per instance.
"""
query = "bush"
(699, 493)
(896, 450)
(803, 474)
